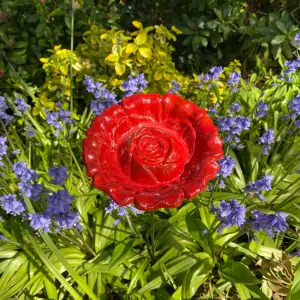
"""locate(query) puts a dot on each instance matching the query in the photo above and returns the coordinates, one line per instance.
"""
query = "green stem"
(71, 62)
(76, 162)
(283, 191)
(152, 234)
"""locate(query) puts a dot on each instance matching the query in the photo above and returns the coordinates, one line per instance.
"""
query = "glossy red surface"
(152, 151)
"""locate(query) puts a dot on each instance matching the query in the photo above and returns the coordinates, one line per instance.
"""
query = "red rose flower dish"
(152, 151)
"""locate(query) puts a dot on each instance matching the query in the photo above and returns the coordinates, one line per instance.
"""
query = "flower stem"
(152, 234)
(71, 59)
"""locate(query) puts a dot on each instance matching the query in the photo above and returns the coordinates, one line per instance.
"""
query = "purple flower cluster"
(122, 212)
(29, 131)
(59, 210)
(227, 165)
(234, 79)
(27, 184)
(296, 41)
(3, 149)
(104, 98)
(213, 74)
(269, 223)
(292, 65)
(230, 213)
(58, 175)
(12, 205)
(235, 107)
(175, 87)
(267, 139)
(22, 106)
(233, 127)
(256, 187)
(262, 109)
(57, 119)
(133, 85)
(3, 115)
(40, 221)
(294, 106)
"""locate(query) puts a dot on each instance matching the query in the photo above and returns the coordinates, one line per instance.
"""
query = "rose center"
(150, 146)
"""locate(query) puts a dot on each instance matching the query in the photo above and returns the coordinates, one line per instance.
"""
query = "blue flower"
(213, 110)
(67, 220)
(262, 109)
(133, 85)
(227, 165)
(106, 98)
(11, 205)
(234, 78)
(296, 41)
(23, 173)
(22, 106)
(175, 87)
(3, 104)
(40, 221)
(59, 202)
(58, 174)
(294, 106)
(292, 65)
(230, 213)
(3, 115)
(16, 152)
(89, 84)
(263, 184)
(233, 127)
(3, 146)
(269, 223)
(267, 139)
(30, 132)
(235, 107)
(122, 212)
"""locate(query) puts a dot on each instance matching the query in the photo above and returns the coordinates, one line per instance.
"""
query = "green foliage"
(28, 28)
(215, 31)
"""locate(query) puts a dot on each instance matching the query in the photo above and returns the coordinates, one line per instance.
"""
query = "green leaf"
(236, 272)
(21, 44)
(17, 60)
(40, 29)
(188, 21)
(185, 262)
(196, 43)
(137, 275)
(204, 41)
(120, 253)
(281, 27)
(278, 39)
(201, 234)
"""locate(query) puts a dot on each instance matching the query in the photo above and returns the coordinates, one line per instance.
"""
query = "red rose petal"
(176, 107)
(198, 176)
(150, 201)
(143, 107)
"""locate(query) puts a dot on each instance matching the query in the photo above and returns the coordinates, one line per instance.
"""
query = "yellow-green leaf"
(176, 30)
(141, 38)
(112, 58)
(158, 75)
(131, 48)
(137, 24)
(120, 68)
(145, 52)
